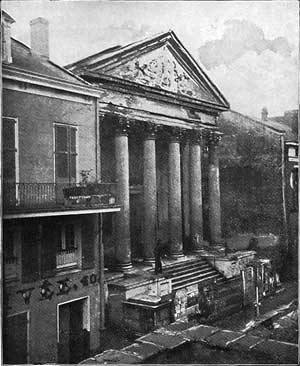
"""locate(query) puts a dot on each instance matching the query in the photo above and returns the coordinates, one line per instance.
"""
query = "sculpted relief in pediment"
(160, 69)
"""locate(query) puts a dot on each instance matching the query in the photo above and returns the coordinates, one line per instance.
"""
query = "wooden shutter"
(87, 242)
(51, 237)
(65, 153)
(30, 260)
(9, 149)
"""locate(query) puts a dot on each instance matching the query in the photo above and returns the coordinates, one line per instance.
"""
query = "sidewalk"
(158, 345)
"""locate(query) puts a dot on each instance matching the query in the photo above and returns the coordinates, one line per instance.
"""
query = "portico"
(174, 139)
(158, 122)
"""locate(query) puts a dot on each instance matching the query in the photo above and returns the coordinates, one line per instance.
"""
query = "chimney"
(39, 28)
(264, 114)
(7, 21)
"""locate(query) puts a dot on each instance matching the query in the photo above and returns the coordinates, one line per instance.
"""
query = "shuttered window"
(9, 148)
(65, 153)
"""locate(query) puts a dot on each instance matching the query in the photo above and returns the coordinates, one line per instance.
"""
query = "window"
(65, 153)
(67, 237)
(48, 246)
(10, 163)
(68, 242)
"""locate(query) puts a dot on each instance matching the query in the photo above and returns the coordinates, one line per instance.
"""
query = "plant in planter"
(89, 192)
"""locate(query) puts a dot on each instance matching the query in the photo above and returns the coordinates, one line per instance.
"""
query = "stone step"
(195, 272)
(181, 264)
(183, 270)
(186, 281)
(194, 281)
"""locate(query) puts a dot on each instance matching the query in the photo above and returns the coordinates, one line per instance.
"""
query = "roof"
(23, 59)
(7, 17)
(115, 57)
(275, 126)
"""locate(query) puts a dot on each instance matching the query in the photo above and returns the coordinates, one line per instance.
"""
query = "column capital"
(175, 134)
(195, 136)
(150, 131)
(122, 126)
(213, 138)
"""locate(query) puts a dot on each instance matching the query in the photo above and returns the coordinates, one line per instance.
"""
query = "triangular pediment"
(160, 62)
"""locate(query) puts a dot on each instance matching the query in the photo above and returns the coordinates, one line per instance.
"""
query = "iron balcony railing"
(67, 257)
(35, 196)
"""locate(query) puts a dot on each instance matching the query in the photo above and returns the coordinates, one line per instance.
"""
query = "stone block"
(164, 341)
(245, 343)
(116, 356)
(222, 339)
(199, 332)
(231, 265)
(178, 326)
(142, 350)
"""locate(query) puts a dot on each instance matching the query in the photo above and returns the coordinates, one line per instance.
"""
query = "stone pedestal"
(175, 214)
(150, 194)
(196, 193)
(123, 250)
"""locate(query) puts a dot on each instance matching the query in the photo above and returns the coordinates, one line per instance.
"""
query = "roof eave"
(17, 74)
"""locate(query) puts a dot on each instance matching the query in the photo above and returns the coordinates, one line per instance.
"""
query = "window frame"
(17, 152)
(55, 152)
(77, 244)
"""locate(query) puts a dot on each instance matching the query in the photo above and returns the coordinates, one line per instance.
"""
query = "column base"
(149, 261)
(176, 255)
(200, 247)
(124, 267)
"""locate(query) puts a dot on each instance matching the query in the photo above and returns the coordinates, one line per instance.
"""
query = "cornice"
(19, 75)
(117, 84)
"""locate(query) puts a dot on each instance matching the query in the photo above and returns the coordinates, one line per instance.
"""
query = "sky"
(249, 49)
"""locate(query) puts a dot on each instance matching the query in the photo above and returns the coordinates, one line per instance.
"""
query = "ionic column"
(196, 225)
(123, 249)
(150, 192)
(175, 215)
(214, 189)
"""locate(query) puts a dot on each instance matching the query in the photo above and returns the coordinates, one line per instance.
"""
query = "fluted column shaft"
(150, 194)
(214, 190)
(123, 247)
(175, 215)
(196, 225)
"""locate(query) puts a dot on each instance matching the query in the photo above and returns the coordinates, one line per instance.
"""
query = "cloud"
(240, 37)
(256, 80)
(125, 33)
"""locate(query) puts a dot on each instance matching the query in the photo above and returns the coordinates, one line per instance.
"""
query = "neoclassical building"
(158, 114)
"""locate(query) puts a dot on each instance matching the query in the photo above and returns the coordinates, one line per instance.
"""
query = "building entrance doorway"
(73, 331)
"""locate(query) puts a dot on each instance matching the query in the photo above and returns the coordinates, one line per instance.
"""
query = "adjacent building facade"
(259, 190)
(51, 295)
